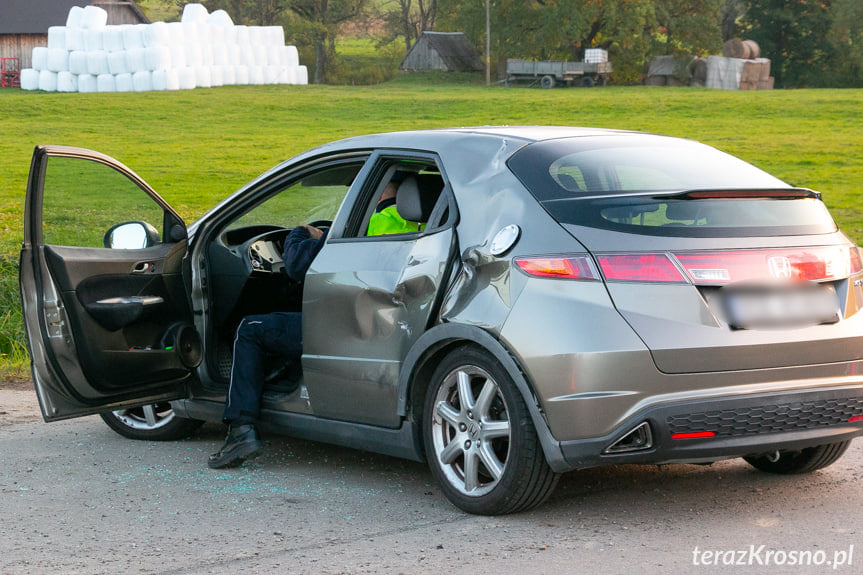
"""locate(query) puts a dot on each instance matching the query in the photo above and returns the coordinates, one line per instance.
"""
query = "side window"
(405, 198)
(315, 197)
(83, 199)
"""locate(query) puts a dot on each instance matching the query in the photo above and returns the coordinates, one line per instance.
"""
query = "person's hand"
(314, 232)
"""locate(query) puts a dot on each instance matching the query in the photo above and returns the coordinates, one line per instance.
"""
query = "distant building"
(24, 23)
(449, 51)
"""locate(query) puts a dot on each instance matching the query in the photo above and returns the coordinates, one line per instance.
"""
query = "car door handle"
(142, 267)
(129, 300)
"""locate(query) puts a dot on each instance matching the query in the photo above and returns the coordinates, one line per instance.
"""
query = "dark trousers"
(258, 337)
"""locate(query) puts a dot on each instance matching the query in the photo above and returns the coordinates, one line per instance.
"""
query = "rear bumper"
(703, 430)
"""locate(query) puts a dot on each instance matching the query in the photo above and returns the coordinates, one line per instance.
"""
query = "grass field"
(195, 147)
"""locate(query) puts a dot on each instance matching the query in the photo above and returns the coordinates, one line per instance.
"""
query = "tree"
(321, 21)
(794, 35)
(253, 12)
(846, 37)
(688, 27)
(409, 19)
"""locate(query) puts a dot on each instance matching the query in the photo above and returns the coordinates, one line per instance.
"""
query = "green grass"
(196, 147)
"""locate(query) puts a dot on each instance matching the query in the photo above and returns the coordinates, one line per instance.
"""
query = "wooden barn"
(449, 51)
(24, 23)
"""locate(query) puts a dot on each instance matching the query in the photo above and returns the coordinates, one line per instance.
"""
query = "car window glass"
(313, 198)
(380, 213)
(82, 199)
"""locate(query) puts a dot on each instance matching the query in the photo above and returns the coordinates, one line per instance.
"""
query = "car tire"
(154, 422)
(803, 461)
(479, 438)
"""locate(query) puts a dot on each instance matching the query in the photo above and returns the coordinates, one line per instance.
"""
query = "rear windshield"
(627, 182)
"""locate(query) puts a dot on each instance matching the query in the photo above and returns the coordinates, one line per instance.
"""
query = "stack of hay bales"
(200, 51)
(739, 68)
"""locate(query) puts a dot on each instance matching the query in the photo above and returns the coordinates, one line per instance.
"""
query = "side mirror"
(131, 236)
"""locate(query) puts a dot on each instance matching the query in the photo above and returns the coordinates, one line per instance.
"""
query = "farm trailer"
(551, 73)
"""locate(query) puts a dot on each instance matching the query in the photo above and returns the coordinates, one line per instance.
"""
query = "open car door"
(105, 306)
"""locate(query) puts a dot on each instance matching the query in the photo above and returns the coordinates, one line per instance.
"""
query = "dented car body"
(573, 298)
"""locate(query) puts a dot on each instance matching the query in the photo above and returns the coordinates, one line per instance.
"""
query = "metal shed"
(24, 23)
(449, 51)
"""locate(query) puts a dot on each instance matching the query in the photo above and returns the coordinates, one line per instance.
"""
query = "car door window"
(83, 199)
(378, 211)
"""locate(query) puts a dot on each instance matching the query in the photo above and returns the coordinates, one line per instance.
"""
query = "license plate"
(766, 307)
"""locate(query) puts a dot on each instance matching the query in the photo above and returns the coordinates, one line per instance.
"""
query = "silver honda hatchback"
(574, 298)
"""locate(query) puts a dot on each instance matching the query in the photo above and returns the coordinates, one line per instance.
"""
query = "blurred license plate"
(753, 307)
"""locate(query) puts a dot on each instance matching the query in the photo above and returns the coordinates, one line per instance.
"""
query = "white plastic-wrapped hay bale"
(29, 79)
(106, 83)
(256, 75)
(156, 34)
(194, 13)
(220, 18)
(39, 58)
(220, 55)
(235, 54)
(215, 34)
(112, 39)
(247, 55)
(78, 62)
(242, 34)
(124, 82)
(229, 75)
(48, 81)
(73, 19)
(302, 75)
(133, 36)
(207, 55)
(272, 74)
(157, 58)
(217, 76)
(257, 35)
(67, 82)
(194, 55)
(58, 60)
(261, 55)
(142, 81)
(94, 40)
(75, 39)
(87, 84)
(97, 63)
(188, 78)
(57, 37)
(241, 74)
(136, 60)
(94, 18)
(190, 33)
(160, 80)
(175, 33)
(172, 79)
(203, 77)
(288, 56)
(274, 35)
(178, 55)
(117, 63)
(287, 75)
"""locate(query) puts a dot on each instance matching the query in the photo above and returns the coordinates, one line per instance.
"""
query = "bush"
(13, 343)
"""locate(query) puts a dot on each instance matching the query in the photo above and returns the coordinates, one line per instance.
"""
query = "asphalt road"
(77, 498)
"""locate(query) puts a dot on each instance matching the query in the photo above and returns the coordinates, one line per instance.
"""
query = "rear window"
(634, 183)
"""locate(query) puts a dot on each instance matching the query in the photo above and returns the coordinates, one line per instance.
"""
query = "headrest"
(417, 196)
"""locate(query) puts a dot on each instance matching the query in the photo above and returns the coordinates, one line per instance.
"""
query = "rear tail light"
(639, 268)
(574, 267)
(812, 264)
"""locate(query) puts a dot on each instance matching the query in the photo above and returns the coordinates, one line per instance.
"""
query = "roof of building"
(36, 16)
(452, 47)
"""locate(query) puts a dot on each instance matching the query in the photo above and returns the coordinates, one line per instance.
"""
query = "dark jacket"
(300, 249)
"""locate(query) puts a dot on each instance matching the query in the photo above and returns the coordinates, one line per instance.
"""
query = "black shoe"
(243, 442)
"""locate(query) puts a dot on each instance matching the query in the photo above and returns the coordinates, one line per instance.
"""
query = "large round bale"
(698, 69)
(753, 48)
(735, 48)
